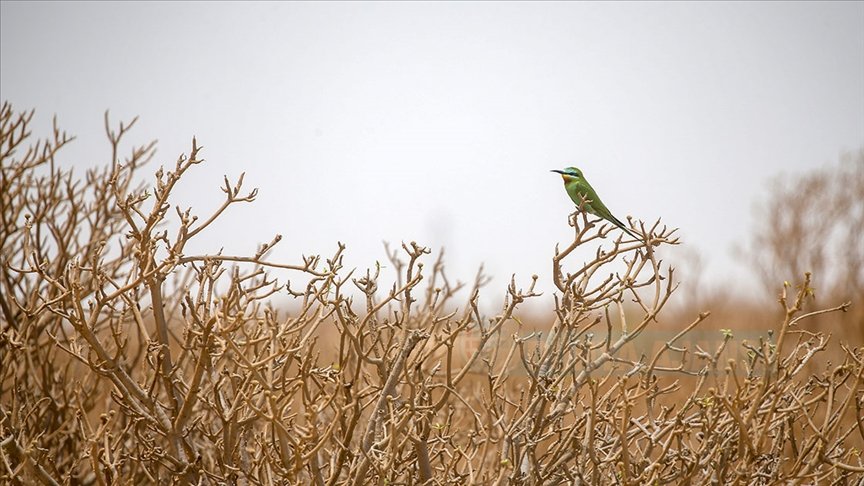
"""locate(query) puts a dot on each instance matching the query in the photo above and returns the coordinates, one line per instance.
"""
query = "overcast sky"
(439, 122)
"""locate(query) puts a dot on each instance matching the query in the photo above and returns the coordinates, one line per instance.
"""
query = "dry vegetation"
(815, 222)
(126, 360)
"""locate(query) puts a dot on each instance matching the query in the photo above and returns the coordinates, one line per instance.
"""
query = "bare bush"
(813, 222)
(126, 360)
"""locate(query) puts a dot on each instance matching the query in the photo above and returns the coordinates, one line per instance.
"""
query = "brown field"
(125, 360)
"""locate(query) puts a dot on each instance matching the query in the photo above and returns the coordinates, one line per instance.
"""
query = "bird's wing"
(600, 209)
(596, 206)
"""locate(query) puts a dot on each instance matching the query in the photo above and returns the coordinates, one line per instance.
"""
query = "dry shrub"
(125, 360)
(814, 222)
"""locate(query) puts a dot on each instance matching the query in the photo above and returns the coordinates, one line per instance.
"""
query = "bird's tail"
(619, 224)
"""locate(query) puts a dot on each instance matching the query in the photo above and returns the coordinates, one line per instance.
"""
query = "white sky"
(439, 122)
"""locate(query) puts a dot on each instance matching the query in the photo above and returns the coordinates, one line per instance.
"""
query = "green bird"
(578, 188)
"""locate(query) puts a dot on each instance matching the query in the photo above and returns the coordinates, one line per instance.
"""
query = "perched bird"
(578, 188)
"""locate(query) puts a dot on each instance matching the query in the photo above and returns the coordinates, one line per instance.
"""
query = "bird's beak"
(556, 170)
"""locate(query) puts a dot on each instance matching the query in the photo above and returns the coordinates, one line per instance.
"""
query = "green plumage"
(578, 188)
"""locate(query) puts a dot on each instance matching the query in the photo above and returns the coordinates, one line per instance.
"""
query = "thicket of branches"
(126, 360)
(815, 222)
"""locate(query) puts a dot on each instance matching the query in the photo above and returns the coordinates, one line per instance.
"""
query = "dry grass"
(126, 360)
